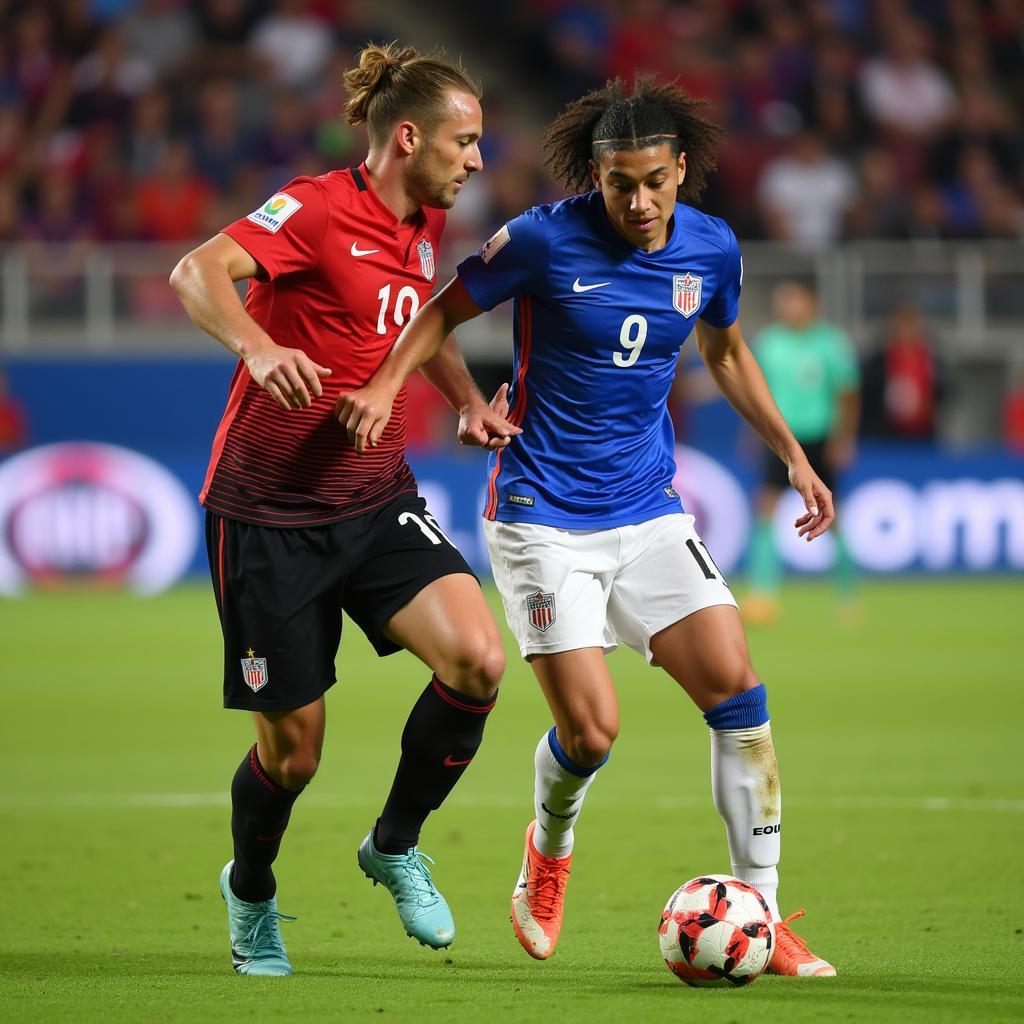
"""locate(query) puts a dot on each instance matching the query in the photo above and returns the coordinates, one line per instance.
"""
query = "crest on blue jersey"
(686, 293)
(426, 254)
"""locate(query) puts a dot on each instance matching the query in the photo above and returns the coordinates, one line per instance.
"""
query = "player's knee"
(476, 667)
(738, 676)
(297, 769)
(591, 742)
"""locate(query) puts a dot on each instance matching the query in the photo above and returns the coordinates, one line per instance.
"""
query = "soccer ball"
(716, 930)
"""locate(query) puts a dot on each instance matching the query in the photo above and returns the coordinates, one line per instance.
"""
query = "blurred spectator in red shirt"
(173, 202)
(1013, 415)
(639, 41)
(902, 384)
(13, 423)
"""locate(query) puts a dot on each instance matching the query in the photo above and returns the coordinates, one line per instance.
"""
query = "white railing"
(115, 299)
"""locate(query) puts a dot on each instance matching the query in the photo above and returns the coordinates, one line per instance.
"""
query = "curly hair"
(391, 84)
(608, 120)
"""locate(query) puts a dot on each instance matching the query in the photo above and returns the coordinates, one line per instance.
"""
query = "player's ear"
(406, 136)
(681, 168)
(595, 175)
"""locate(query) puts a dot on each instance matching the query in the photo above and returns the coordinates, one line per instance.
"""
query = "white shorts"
(568, 589)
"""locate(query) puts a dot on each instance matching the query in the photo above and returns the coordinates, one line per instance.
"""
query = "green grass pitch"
(899, 742)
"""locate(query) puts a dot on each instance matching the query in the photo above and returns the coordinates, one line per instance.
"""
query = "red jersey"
(339, 277)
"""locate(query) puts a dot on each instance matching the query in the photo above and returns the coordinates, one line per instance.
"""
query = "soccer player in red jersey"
(299, 527)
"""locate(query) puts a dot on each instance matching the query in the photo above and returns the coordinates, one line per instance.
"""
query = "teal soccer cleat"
(421, 907)
(256, 946)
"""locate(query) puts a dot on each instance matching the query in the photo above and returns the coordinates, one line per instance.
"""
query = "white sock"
(745, 786)
(557, 798)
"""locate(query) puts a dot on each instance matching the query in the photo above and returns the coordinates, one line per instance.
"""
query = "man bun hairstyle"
(608, 120)
(392, 84)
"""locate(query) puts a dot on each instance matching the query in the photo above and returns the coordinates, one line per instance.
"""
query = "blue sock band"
(566, 762)
(745, 710)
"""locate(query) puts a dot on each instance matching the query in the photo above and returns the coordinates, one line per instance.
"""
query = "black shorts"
(776, 473)
(280, 594)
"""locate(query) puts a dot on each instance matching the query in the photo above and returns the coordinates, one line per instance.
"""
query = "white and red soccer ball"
(716, 931)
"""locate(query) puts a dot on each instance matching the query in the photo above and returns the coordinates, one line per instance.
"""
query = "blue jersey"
(598, 327)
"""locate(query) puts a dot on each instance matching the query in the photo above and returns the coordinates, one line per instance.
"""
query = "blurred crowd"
(163, 119)
(160, 120)
(845, 118)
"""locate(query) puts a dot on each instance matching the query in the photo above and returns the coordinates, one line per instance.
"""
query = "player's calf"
(746, 789)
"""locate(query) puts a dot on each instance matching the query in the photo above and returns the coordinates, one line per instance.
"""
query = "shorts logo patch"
(686, 293)
(254, 671)
(495, 244)
(426, 254)
(541, 610)
(275, 211)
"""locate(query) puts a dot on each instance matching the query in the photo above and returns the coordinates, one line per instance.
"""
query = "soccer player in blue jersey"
(589, 542)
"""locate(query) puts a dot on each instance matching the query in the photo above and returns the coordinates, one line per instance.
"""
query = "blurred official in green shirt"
(811, 368)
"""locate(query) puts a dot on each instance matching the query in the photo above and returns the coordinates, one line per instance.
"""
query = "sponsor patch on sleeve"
(494, 244)
(275, 211)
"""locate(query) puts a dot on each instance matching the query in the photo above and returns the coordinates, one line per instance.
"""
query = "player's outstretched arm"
(364, 413)
(480, 422)
(205, 282)
(735, 371)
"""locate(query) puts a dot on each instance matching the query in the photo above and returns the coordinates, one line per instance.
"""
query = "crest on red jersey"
(541, 610)
(426, 253)
(686, 293)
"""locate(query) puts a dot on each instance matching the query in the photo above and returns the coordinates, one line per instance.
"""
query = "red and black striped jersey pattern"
(339, 277)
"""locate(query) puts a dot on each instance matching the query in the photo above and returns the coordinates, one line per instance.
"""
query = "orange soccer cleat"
(792, 957)
(537, 899)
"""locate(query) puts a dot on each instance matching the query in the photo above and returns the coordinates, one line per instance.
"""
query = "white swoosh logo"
(356, 251)
(577, 287)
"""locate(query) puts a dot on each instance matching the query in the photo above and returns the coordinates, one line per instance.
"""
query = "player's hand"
(820, 514)
(288, 375)
(499, 403)
(364, 414)
(487, 425)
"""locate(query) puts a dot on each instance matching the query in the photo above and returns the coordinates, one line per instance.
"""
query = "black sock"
(443, 732)
(260, 809)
